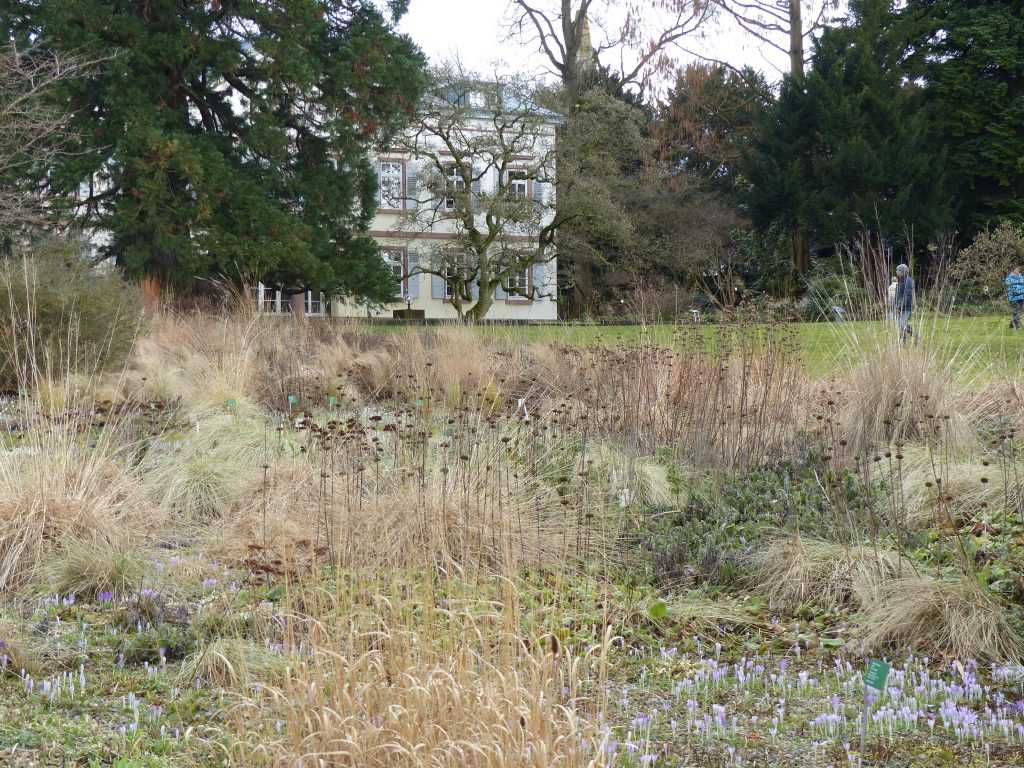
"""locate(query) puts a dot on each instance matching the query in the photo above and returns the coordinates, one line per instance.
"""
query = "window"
(518, 284)
(454, 185)
(269, 302)
(314, 303)
(392, 195)
(273, 301)
(395, 259)
(454, 272)
(518, 185)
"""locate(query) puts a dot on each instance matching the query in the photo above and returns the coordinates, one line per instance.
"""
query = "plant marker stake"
(292, 400)
(332, 401)
(875, 677)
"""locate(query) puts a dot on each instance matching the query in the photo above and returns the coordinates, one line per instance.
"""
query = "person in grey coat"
(904, 302)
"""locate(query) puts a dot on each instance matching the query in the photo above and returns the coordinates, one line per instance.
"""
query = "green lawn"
(975, 342)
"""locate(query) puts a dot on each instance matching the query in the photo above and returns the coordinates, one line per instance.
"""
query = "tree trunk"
(151, 292)
(796, 40)
(483, 305)
(801, 253)
(801, 248)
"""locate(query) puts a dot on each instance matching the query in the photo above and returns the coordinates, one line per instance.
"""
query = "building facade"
(420, 224)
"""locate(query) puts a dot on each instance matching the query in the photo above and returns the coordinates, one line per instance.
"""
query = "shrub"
(980, 268)
(65, 316)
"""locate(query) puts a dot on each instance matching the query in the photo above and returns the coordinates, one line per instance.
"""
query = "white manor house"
(416, 220)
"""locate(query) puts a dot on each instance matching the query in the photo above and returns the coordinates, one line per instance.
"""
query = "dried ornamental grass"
(89, 567)
(203, 472)
(903, 393)
(56, 492)
(477, 514)
(958, 618)
(967, 485)
(233, 662)
(405, 695)
(799, 570)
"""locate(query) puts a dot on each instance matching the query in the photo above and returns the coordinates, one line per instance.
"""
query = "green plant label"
(332, 401)
(231, 405)
(293, 399)
(877, 674)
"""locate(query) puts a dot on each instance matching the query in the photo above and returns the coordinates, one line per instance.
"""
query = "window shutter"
(538, 191)
(541, 288)
(475, 188)
(436, 287)
(411, 185)
(413, 280)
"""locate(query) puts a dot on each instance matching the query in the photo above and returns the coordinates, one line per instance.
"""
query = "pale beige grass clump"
(88, 567)
(200, 474)
(202, 360)
(456, 515)
(955, 617)
(798, 570)
(441, 691)
(235, 662)
(281, 511)
(897, 394)
(962, 485)
(57, 491)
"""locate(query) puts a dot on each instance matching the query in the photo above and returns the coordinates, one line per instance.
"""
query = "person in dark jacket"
(1015, 295)
(904, 303)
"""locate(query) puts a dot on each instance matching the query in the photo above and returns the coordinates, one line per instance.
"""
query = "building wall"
(400, 224)
(399, 228)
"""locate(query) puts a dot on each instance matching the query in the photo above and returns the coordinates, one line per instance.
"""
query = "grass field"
(825, 348)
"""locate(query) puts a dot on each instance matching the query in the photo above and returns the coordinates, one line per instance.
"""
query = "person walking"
(903, 304)
(1015, 295)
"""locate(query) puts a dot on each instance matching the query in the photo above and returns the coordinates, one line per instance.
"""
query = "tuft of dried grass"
(427, 688)
(206, 470)
(88, 567)
(966, 484)
(958, 618)
(57, 489)
(898, 394)
(798, 570)
(450, 512)
(234, 662)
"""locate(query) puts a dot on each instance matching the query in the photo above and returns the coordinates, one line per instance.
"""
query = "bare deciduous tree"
(481, 171)
(785, 25)
(635, 38)
(32, 132)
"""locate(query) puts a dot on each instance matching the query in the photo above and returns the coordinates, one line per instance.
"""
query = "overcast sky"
(477, 32)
